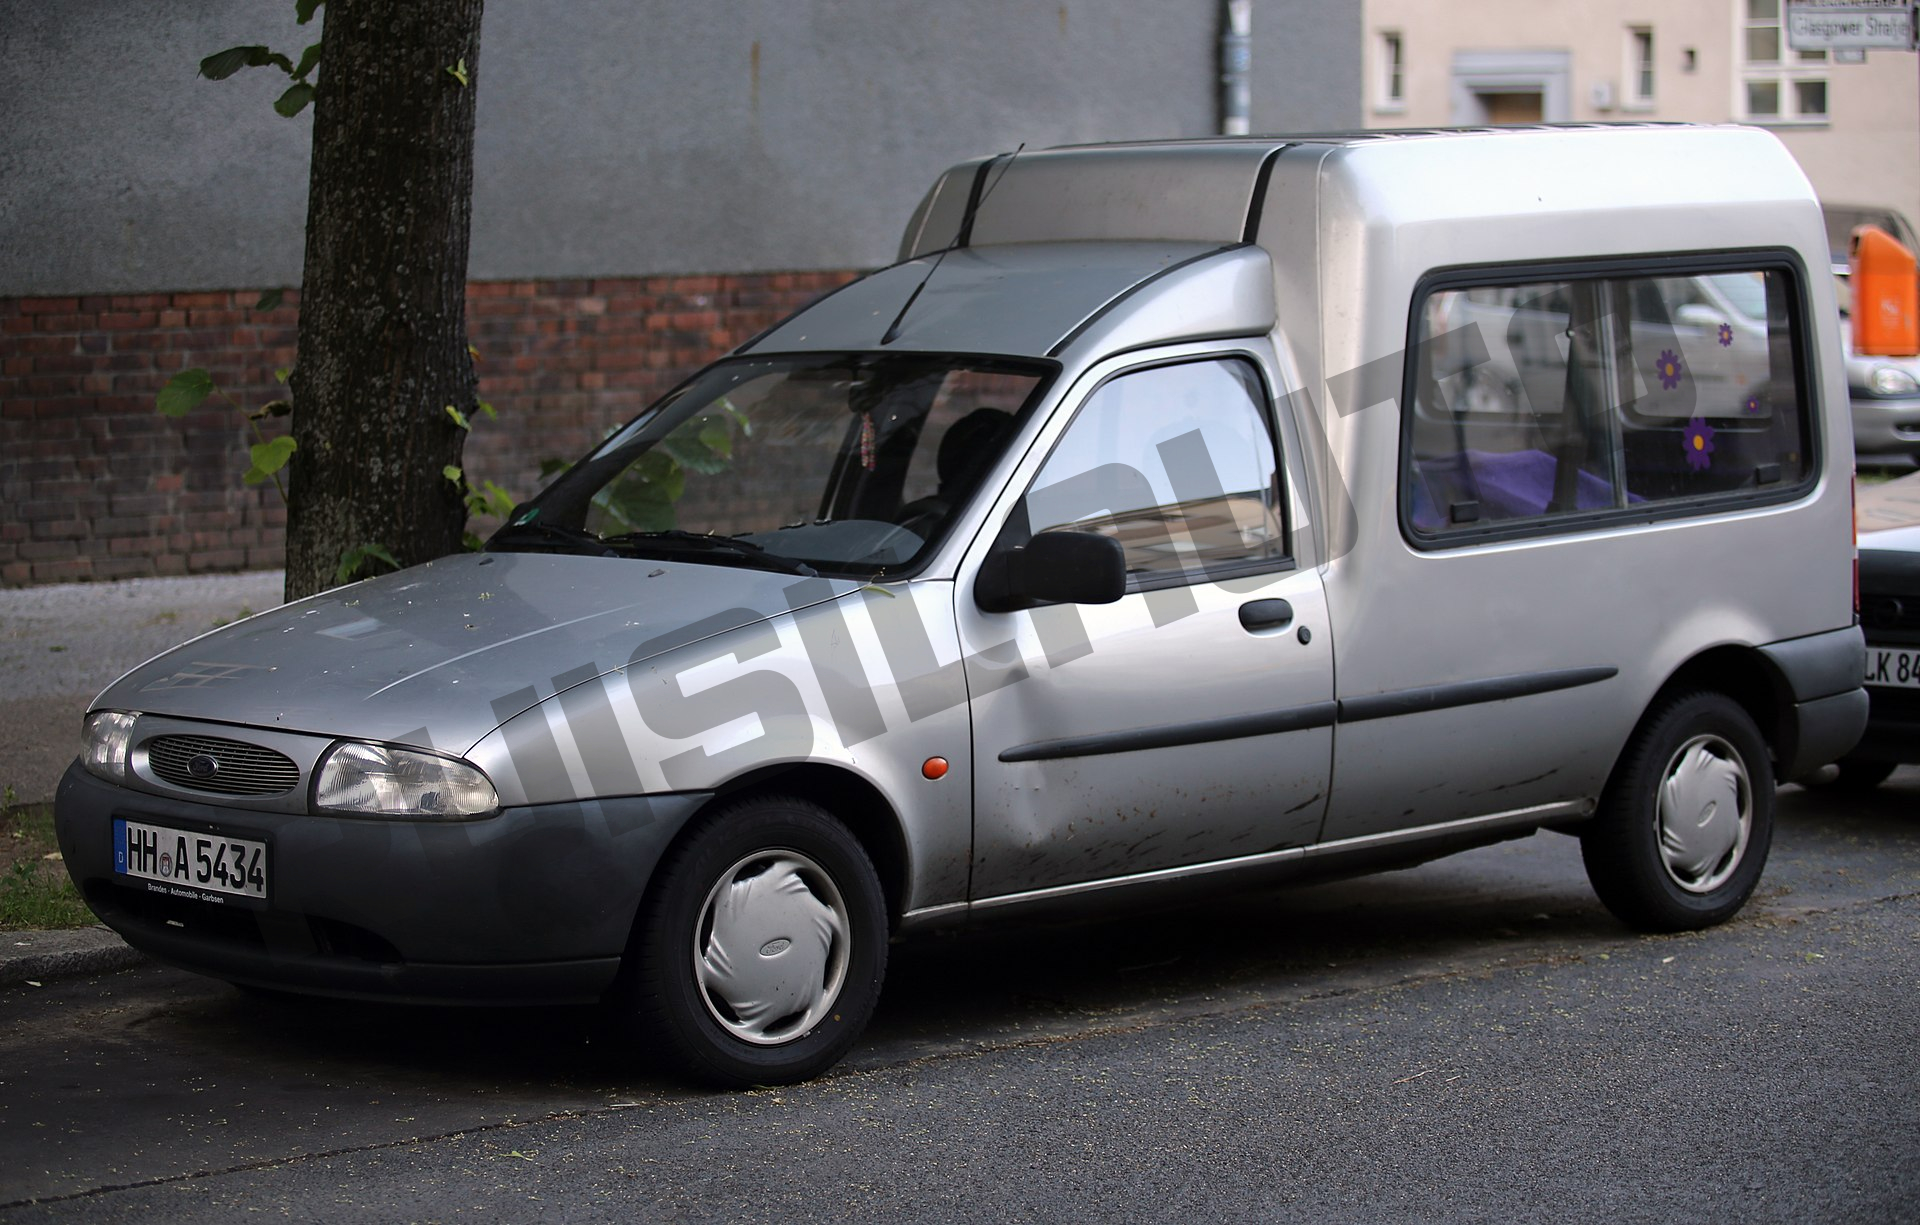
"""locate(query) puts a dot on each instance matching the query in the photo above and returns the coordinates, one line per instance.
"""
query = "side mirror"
(1053, 568)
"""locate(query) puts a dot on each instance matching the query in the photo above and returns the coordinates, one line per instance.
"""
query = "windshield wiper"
(679, 540)
(571, 539)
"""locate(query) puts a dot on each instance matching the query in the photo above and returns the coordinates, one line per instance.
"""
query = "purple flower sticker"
(1668, 368)
(1698, 442)
(1752, 405)
(1726, 335)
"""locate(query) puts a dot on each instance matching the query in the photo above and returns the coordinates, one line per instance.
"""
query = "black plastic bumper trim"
(1312, 715)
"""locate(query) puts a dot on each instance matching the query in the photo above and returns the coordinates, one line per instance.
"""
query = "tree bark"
(383, 332)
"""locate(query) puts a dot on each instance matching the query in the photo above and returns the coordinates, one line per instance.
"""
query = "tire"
(758, 954)
(1687, 818)
(1852, 774)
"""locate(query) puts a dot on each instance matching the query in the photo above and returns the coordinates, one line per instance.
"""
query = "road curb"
(44, 956)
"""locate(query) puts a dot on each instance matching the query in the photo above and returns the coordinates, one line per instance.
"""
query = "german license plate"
(190, 863)
(1893, 667)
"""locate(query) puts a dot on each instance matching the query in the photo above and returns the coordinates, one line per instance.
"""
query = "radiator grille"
(1900, 613)
(226, 767)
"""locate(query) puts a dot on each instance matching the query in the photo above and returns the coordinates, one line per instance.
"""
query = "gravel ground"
(60, 645)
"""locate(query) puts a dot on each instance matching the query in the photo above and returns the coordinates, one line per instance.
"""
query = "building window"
(1393, 72)
(1640, 66)
(1778, 84)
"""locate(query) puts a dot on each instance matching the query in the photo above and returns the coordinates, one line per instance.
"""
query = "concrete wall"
(616, 137)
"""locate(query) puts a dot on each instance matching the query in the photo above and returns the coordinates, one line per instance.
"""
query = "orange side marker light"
(934, 767)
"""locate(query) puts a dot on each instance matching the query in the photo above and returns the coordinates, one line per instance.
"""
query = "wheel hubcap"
(770, 954)
(1706, 813)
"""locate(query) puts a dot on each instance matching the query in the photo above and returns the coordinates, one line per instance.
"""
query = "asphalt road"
(1471, 1040)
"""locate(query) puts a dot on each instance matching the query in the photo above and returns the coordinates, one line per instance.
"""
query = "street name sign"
(1814, 25)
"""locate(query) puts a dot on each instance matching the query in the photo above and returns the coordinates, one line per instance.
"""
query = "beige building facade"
(1853, 121)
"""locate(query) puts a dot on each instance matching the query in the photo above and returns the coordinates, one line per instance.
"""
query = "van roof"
(1029, 299)
(1040, 250)
(1216, 189)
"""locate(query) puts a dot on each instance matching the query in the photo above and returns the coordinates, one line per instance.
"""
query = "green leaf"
(553, 464)
(488, 409)
(294, 100)
(638, 508)
(269, 301)
(452, 472)
(280, 375)
(354, 559)
(718, 437)
(308, 59)
(184, 392)
(471, 542)
(304, 9)
(459, 71)
(496, 501)
(459, 418)
(690, 453)
(658, 469)
(272, 455)
(223, 64)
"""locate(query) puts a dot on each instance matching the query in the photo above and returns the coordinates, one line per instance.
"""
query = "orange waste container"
(1886, 295)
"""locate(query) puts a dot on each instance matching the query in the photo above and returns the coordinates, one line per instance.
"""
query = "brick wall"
(97, 485)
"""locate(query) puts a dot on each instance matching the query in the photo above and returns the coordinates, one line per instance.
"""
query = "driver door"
(1190, 722)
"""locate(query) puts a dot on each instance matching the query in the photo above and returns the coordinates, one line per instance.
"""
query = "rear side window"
(1543, 404)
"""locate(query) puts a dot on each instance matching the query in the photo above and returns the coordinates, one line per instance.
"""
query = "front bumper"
(531, 904)
(1885, 426)
(1893, 727)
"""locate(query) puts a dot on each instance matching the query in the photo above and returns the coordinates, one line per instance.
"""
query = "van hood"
(441, 654)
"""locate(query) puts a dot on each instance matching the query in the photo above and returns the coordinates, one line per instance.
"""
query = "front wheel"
(1686, 820)
(758, 955)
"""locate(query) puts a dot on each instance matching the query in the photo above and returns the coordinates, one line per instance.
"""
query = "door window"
(1177, 463)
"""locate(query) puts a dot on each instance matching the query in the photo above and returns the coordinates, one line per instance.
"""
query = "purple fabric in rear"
(1506, 484)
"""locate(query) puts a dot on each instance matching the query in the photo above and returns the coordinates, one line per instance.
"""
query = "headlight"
(107, 733)
(1892, 381)
(381, 781)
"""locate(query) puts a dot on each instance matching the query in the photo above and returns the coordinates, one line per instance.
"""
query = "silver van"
(1170, 516)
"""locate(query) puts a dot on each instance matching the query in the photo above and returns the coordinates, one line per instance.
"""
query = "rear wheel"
(1686, 821)
(758, 956)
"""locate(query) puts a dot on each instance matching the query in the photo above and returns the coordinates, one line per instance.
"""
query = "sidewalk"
(60, 646)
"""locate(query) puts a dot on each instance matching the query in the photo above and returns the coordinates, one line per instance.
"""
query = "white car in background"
(1884, 391)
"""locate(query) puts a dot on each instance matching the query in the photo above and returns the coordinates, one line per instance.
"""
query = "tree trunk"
(383, 331)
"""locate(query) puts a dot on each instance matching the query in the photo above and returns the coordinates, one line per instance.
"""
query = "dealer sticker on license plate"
(1894, 667)
(191, 863)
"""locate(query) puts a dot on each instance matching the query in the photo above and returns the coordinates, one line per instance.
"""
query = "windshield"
(839, 463)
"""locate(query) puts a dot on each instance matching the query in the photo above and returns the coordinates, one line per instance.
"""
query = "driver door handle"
(1256, 615)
